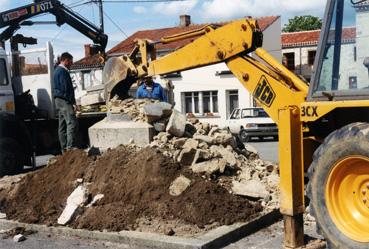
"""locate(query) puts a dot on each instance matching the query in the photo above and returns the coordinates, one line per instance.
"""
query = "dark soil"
(41, 196)
(135, 185)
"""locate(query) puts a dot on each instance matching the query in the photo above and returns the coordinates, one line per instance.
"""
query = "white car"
(252, 122)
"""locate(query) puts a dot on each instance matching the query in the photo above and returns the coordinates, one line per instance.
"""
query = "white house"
(299, 49)
(210, 93)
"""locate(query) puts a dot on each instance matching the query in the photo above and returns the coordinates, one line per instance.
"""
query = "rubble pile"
(126, 188)
(216, 154)
(207, 149)
(192, 177)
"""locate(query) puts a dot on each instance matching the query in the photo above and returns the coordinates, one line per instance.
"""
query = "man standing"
(152, 90)
(65, 103)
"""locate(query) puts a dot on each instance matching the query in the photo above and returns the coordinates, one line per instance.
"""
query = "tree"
(303, 23)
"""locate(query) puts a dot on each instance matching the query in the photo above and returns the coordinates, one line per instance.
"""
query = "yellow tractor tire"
(339, 187)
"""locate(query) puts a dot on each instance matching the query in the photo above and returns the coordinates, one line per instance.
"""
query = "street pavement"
(267, 149)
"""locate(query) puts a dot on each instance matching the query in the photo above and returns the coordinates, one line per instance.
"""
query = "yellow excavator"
(323, 126)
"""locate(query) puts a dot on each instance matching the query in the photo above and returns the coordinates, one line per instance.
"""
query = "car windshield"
(253, 113)
(344, 59)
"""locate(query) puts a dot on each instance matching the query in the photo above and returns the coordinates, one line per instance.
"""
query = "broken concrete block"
(204, 138)
(159, 127)
(2, 215)
(161, 134)
(225, 139)
(179, 185)
(193, 120)
(153, 112)
(200, 132)
(205, 127)
(176, 154)
(228, 156)
(250, 148)
(210, 166)
(77, 199)
(191, 143)
(164, 139)
(177, 123)
(19, 238)
(92, 98)
(273, 181)
(156, 111)
(252, 188)
(204, 154)
(179, 142)
(213, 130)
(96, 198)
(203, 146)
(187, 156)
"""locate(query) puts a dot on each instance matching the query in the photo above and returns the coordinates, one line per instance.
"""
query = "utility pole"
(101, 11)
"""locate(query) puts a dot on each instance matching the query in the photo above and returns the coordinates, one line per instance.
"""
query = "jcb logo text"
(264, 92)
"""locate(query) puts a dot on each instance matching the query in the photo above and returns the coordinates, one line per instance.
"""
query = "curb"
(216, 238)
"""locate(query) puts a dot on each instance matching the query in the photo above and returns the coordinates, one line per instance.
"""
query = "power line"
(116, 25)
(78, 3)
(64, 27)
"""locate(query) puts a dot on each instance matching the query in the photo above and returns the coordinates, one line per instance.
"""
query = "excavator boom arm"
(13, 19)
(272, 85)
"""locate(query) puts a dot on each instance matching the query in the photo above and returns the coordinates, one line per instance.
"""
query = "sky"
(128, 18)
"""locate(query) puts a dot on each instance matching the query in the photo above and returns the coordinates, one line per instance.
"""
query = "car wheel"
(244, 136)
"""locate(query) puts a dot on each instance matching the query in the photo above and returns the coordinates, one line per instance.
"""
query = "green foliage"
(303, 23)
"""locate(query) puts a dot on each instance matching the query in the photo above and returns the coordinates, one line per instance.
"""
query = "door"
(6, 91)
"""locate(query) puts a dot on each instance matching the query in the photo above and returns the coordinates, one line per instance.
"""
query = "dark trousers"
(67, 124)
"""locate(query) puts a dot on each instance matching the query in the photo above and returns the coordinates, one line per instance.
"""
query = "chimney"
(90, 50)
(184, 20)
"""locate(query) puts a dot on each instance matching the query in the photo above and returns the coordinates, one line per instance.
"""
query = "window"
(353, 82)
(355, 53)
(192, 102)
(236, 114)
(232, 100)
(311, 57)
(201, 102)
(289, 59)
(3, 73)
(253, 113)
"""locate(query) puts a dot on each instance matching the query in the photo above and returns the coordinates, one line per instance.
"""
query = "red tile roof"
(127, 45)
(311, 38)
(156, 34)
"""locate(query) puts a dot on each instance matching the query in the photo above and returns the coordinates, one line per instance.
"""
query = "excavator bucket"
(117, 79)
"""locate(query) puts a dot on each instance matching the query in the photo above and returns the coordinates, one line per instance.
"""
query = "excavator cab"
(342, 61)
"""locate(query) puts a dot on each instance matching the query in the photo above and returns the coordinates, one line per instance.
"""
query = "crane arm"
(14, 18)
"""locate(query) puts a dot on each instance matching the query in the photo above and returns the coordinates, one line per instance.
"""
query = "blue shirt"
(157, 92)
(63, 86)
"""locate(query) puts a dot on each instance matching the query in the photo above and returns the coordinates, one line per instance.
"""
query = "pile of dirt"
(135, 184)
(40, 196)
